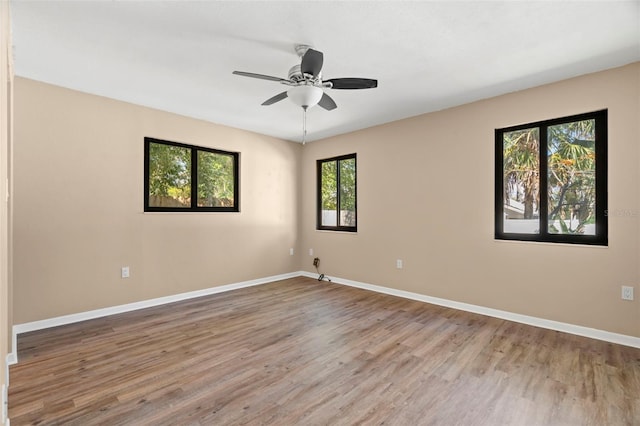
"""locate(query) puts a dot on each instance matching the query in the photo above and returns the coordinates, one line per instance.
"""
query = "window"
(337, 193)
(551, 180)
(179, 177)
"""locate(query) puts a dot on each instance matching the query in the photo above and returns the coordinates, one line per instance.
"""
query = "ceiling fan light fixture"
(305, 96)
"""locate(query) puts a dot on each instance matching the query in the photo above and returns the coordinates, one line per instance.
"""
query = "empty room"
(320, 213)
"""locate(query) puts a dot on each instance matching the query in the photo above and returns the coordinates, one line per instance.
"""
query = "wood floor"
(301, 352)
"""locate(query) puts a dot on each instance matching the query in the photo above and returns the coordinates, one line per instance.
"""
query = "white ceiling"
(178, 56)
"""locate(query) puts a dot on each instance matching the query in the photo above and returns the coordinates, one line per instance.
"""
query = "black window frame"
(319, 164)
(601, 142)
(194, 173)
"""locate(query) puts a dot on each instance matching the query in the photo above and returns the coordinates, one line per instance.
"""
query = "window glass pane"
(521, 157)
(169, 176)
(215, 180)
(329, 194)
(348, 192)
(571, 187)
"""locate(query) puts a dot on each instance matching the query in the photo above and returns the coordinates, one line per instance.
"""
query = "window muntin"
(180, 177)
(567, 158)
(337, 195)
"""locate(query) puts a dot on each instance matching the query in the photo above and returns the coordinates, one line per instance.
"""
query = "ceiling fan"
(306, 86)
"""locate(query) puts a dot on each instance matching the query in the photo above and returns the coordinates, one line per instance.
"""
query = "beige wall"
(79, 207)
(426, 195)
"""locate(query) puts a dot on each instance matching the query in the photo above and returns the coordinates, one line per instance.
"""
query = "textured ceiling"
(178, 56)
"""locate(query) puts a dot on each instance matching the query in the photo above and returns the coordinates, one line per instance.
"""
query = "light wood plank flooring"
(301, 352)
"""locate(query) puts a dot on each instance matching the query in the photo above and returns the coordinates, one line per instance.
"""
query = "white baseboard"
(12, 358)
(593, 333)
(622, 339)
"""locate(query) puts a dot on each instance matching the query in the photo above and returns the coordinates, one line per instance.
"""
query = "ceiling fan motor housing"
(296, 75)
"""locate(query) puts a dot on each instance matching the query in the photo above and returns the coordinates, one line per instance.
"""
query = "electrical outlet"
(627, 292)
(399, 263)
(291, 252)
(316, 262)
(310, 252)
(124, 273)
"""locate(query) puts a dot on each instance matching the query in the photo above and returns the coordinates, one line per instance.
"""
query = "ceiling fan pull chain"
(304, 125)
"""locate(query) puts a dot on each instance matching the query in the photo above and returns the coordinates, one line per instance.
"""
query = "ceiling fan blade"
(352, 83)
(276, 98)
(312, 62)
(327, 103)
(260, 76)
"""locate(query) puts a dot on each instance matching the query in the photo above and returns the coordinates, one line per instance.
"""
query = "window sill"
(548, 243)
